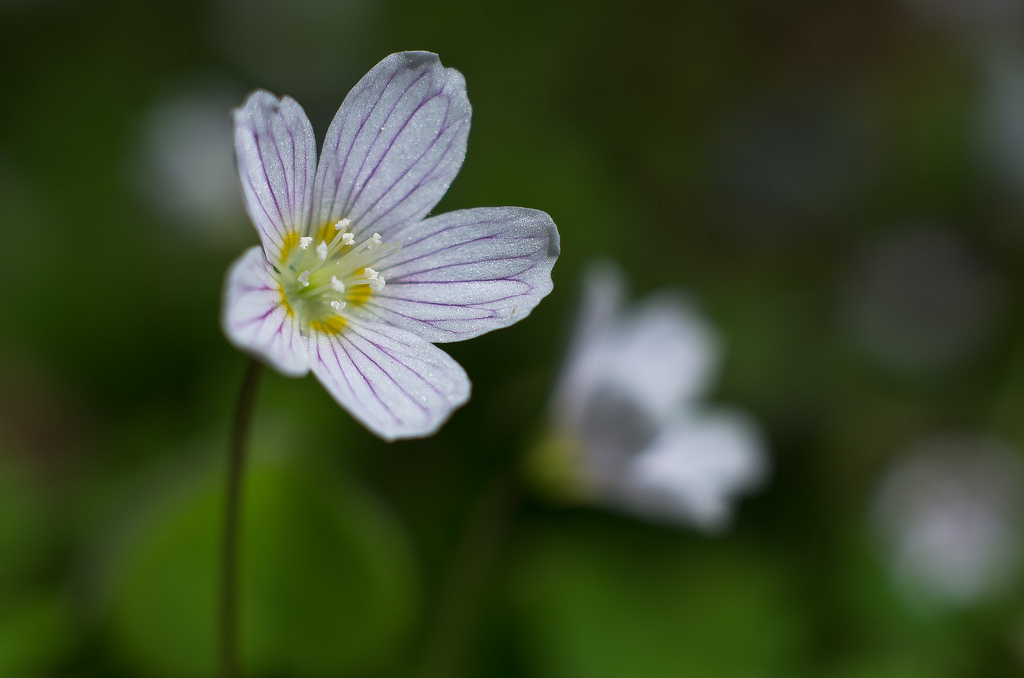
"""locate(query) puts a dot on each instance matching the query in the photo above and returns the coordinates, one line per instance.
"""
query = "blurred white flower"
(948, 516)
(187, 164)
(1001, 125)
(628, 430)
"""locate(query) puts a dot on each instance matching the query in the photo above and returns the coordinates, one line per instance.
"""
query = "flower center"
(323, 277)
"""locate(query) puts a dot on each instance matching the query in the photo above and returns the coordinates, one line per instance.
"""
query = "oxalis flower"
(948, 515)
(627, 427)
(351, 281)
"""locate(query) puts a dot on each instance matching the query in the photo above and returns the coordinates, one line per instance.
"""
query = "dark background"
(840, 185)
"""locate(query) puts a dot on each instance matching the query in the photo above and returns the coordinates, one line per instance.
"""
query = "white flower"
(352, 230)
(1000, 134)
(184, 165)
(948, 514)
(630, 432)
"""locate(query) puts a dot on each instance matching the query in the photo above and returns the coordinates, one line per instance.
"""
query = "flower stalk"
(229, 666)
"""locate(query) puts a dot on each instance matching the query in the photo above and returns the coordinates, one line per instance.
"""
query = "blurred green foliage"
(749, 152)
(327, 584)
(604, 601)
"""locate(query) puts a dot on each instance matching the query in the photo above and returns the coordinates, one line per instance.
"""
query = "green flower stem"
(468, 579)
(232, 509)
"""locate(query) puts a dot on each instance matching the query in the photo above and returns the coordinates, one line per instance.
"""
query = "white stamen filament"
(320, 289)
(350, 261)
(373, 278)
(369, 243)
(343, 237)
(328, 276)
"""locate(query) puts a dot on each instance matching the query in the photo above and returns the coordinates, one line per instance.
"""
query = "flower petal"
(661, 355)
(395, 145)
(256, 321)
(464, 273)
(603, 291)
(665, 353)
(695, 469)
(276, 153)
(395, 383)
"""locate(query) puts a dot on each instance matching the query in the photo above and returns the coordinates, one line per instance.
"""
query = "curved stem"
(468, 579)
(232, 509)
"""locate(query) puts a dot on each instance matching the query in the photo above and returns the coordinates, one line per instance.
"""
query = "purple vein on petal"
(402, 281)
(389, 147)
(355, 137)
(463, 243)
(434, 322)
(341, 371)
(350, 200)
(249, 322)
(366, 380)
(476, 305)
(429, 175)
(259, 201)
(280, 162)
(454, 227)
(273, 196)
(403, 364)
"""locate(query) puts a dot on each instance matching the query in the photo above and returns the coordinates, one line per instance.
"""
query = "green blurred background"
(840, 185)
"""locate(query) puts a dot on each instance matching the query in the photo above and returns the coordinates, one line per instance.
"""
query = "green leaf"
(36, 631)
(24, 532)
(326, 579)
(608, 604)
